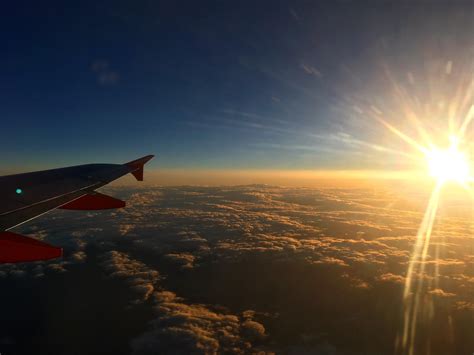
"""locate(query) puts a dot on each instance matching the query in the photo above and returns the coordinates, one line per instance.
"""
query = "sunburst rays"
(445, 165)
(434, 125)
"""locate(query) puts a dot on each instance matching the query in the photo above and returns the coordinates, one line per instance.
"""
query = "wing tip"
(140, 161)
(137, 166)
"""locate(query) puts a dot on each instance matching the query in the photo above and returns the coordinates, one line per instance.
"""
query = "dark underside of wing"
(26, 196)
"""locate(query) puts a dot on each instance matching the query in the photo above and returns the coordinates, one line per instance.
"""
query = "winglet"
(137, 166)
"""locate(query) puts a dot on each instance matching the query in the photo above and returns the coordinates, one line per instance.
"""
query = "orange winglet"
(137, 166)
(16, 248)
(95, 201)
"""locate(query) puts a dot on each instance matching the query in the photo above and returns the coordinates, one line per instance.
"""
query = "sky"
(222, 85)
(250, 93)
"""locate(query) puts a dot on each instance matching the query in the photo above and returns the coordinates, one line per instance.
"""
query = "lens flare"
(416, 273)
(432, 114)
(444, 165)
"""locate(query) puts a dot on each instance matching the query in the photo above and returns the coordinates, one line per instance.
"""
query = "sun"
(449, 165)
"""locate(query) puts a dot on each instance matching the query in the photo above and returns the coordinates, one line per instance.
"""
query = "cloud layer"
(308, 265)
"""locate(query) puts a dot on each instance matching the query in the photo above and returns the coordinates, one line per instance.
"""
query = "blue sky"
(208, 84)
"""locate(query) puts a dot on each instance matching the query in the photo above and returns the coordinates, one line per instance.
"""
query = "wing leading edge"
(27, 196)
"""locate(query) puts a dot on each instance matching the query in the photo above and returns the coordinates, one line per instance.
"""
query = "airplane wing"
(27, 196)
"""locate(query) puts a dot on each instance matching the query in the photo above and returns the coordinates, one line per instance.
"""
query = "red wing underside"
(15, 248)
(94, 201)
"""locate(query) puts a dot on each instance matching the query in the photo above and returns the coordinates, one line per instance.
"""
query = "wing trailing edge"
(16, 248)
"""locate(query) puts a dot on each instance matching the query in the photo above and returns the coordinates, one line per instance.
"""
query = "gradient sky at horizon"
(212, 84)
